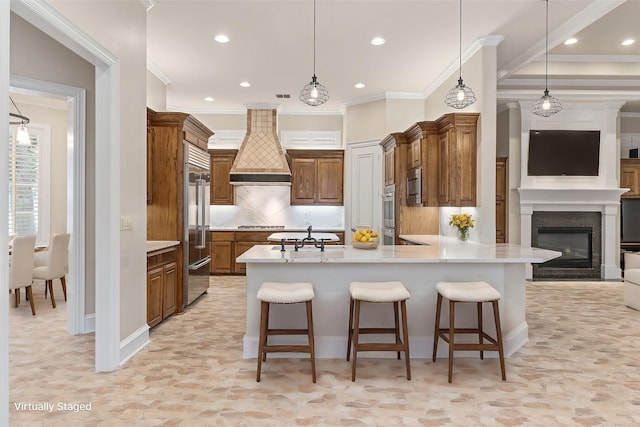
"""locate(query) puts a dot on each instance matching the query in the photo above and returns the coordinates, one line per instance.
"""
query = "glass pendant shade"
(314, 93)
(546, 106)
(461, 96)
(22, 136)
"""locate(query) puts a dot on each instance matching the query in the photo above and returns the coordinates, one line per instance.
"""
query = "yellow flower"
(462, 221)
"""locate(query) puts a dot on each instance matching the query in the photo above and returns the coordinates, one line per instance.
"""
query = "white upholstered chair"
(21, 267)
(52, 264)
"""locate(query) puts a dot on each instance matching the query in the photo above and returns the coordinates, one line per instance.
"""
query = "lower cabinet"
(162, 283)
(226, 246)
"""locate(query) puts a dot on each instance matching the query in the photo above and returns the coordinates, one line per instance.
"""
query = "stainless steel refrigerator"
(197, 254)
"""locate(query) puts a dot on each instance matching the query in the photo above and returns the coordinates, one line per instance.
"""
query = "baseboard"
(133, 344)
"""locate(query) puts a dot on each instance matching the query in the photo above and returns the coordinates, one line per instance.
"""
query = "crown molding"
(159, 74)
(454, 67)
(568, 95)
(243, 111)
(624, 83)
(630, 115)
(148, 4)
(591, 58)
(47, 18)
(384, 95)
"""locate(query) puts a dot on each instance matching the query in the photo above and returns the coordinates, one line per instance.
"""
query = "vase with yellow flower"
(462, 223)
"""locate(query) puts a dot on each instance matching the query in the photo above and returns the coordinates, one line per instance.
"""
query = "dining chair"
(52, 264)
(21, 268)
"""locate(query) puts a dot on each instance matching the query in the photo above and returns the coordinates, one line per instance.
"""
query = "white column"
(609, 269)
(526, 211)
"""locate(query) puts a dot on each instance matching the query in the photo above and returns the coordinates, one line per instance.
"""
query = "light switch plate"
(126, 222)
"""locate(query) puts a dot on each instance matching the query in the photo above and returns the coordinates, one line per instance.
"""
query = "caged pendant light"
(461, 96)
(547, 105)
(314, 93)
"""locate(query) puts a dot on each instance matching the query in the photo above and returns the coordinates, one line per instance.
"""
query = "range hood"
(260, 160)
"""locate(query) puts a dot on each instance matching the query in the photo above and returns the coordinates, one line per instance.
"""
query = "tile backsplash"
(270, 205)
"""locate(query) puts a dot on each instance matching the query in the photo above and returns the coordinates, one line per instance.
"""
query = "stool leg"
(350, 331)
(356, 332)
(451, 337)
(312, 351)
(266, 331)
(480, 337)
(405, 332)
(436, 333)
(264, 316)
(396, 318)
(496, 315)
(64, 287)
(49, 283)
(29, 292)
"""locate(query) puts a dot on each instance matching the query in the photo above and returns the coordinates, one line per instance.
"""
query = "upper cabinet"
(317, 177)
(168, 133)
(221, 190)
(458, 152)
(630, 178)
(424, 152)
(393, 145)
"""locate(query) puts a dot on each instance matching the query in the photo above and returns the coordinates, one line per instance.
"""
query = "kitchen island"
(419, 267)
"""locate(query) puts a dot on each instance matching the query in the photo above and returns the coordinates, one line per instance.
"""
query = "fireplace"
(577, 235)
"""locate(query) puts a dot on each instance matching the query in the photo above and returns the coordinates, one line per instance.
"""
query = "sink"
(308, 248)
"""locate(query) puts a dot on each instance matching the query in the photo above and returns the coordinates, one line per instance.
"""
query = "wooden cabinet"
(394, 146)
(457, 135)
(162, 285)
(222, 243)
(244, 241)
(222, 192)
(226, 246)
(501, 200)
(424, 151)
(317, 177)
(630, 178)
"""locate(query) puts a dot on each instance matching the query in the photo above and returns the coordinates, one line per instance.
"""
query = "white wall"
(121, 28)
(156, 93)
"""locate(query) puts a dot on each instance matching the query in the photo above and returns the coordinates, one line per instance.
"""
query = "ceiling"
(271, 46)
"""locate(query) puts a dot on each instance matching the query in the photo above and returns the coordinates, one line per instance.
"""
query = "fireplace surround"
(577, 235)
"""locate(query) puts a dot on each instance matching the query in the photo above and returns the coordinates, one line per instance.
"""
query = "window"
(28, 190)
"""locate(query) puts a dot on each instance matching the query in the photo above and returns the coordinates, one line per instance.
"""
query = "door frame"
(76, 182)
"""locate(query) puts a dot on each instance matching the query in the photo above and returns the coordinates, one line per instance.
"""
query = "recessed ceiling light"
(208, 99)
(221, 38)
(377, 41)
(628, 42)
(358, 85)
(245, 84)
(571, 41)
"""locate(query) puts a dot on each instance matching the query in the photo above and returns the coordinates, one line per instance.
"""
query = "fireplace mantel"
(603, 200)
(571, 196)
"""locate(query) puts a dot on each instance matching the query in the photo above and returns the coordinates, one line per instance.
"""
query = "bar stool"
(378, 292)
(477, 292)
(285, 293)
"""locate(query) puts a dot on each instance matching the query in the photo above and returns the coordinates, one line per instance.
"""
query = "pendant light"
(461, 96)
(547, 105)
(314, 93)
(22, 136)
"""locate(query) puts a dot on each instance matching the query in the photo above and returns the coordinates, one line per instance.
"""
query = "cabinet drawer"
(222, 236)
(157, 258)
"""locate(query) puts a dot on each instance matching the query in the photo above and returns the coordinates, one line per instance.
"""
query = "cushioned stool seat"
(474, 292)
(285, 293)
(378, 292)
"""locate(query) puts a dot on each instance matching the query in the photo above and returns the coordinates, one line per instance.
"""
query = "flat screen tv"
(630, 221)
(564, 152)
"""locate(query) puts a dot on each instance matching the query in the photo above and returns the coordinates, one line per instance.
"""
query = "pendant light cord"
(460, 42)
(314, 38)
(546, 49)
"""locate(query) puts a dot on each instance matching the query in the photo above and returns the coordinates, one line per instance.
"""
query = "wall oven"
(389, 215)
(414, 187)
(389, 206)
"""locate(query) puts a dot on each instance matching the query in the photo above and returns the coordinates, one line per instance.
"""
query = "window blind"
(24, 178)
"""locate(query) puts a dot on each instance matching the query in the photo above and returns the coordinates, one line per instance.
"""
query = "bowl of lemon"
(365, 239)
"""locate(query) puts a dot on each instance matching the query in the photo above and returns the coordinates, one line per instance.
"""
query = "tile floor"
(581, 367)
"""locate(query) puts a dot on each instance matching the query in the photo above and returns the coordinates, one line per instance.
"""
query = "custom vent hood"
(260, 160)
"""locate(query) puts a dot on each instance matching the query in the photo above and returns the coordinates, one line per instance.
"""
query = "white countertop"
(155, 245)
(440, 249)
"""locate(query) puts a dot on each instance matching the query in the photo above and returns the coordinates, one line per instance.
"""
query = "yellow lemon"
(364, 238)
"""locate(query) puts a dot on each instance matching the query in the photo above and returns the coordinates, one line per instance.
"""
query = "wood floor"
(581, 367)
